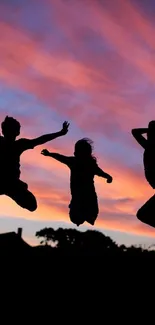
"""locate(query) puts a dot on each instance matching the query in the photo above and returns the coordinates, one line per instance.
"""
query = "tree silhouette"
(71, 240)
(48, 235)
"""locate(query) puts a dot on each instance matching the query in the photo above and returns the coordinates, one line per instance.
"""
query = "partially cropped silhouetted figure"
(10, 152)
(146, 213)
(83, 166)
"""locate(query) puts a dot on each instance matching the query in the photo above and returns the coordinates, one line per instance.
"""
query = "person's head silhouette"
(151, 131)
(83, 148)
(10, 128)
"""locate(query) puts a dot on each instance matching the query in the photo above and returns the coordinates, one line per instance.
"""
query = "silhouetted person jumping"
(83, 166)
(146, 214)
(10, 152)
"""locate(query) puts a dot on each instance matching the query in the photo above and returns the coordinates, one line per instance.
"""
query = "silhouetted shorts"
(83, 208)
(150, 177)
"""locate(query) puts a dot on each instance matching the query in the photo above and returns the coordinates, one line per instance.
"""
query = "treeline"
(88, 243)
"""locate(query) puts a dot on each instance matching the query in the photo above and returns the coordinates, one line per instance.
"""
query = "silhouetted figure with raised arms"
(146, 213)
(83, 166)
(10, 152)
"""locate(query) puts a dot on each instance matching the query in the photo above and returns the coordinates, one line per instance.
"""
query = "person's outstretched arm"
(48, 137)
(137, 133)
(63, 159)
(101, 173)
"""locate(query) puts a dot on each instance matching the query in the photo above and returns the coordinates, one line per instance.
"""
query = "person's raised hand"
(45, 152)
(65, 127)
(109, 179)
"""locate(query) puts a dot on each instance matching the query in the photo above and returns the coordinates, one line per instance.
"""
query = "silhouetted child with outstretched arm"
(10, 152)
(146, 213)
(83, 166)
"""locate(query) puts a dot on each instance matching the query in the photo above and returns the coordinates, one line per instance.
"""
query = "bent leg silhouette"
(84, 208)
(75, 215)
(20, 194)
(91, 218)
(146, 213)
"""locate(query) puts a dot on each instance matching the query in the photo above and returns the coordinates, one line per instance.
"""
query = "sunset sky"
(91, 62)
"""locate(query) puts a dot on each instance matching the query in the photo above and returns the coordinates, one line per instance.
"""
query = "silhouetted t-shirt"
(82, 175)
(10, 157)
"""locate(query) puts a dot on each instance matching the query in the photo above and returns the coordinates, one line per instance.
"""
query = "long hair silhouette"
(84, 149)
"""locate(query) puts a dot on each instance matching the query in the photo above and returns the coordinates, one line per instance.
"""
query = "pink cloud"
(108, 106)
(55, 72)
